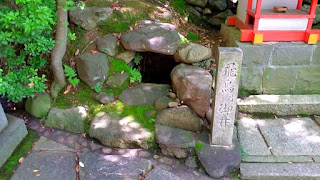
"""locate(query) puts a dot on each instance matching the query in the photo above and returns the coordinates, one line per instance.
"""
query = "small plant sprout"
(71, 74)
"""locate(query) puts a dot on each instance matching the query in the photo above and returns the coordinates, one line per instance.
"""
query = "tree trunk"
(59, 50)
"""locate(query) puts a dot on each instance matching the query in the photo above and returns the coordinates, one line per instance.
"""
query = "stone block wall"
(277, 67)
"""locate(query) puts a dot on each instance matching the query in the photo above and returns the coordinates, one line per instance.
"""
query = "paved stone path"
(280, 148)
(59, 154)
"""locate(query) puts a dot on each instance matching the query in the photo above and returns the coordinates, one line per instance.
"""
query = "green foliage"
(98, 87)
(244, 152)
(25, 36)
(137, 59)
(183, 40)
(198, 146)
(135, 75)
(193, 37)
(71, 74)
(117, 65)
(179, 6)
(120, 22)
(245, 93)
(21, 151)
(263, 116)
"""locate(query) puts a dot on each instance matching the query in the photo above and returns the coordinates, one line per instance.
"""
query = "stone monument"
(12, 132)
(225, 96)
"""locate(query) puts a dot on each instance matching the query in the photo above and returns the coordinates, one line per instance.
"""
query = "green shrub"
(25, 38)
(193, 37)
(72, 75)
(135, 75)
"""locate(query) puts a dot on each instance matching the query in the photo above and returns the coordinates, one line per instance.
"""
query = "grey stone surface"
(108, 45)
(3, 119)
(119, 132)
(299, 50)
(316, 159)
(295, 136)
(173, 141)
(89, 17)
(69, 119)
(47, 166)
(218, 161)
(144, 94)
(316, 55)
(156, 37)
(251, 79)
(281, 104)
(11, 137)
(192, 86)
(104, 98)
(217, 4)
(220, 18)
(117, 80)
(39, 105)
(127, 56)
(225, 95)
(114, 167)
(180, 117)
(280, 171)
(45, 144)
(160, 174)
(192, 53)
(200, 3)
(93, 68)
(250, 138)
(162, 103)
(256, 56)
(274, 81)
(308, 80)
(278, 159)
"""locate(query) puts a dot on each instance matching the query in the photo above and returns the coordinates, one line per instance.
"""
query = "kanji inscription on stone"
(225, 95)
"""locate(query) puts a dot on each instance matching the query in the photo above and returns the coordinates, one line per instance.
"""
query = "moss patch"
(263, 116)
(21, 151)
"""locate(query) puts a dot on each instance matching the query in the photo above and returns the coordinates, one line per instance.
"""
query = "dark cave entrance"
(156, 68)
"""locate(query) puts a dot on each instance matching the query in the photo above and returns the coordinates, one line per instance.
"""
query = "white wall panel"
(283, 24)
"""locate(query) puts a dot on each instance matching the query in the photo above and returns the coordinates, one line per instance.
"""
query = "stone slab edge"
(11, 137)
(279, 159)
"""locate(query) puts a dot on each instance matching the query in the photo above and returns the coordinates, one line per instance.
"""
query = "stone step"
(280, 171)
(281, 104)
(11, 137)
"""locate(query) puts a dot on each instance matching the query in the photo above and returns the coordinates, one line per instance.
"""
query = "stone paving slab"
(45, 144)
(160, 174)
(283, 159)
(11, 137)
(280, 171)
(288, 137)
(250, 138)
(47, 166)
(112, 167)
(3, 119)
(281, 104)
(316, 159)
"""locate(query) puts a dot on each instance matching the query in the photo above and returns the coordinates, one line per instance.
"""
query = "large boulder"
(192, 53)
(174, 142)
(39, 105)
(117, 80)
(220, 18)
(144, 94)
(93, 69)
(200, 3)
(193, 87)
(152, 36)
(108, 45)
(89, 17)
(179, 117)
(119, 132)
(126, 55)
(219, 5)
(69, 119)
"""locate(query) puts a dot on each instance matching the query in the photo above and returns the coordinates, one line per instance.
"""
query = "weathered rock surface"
(144, 94)
(220, 18)
(98, 166)
(89, 17)
(218, 161)
(47, 166)
(104, 98)
(119, 132)
(160, 174)
(179, 117)
(44, 144)
(200, 3)
(156, 37)
(193, 87)
(39, 105)
(69, 119)
(108, 45)
(117, 80)
(219, 5)
(162, 103)
(3, 119)
(126, 55)
(174, 142)
(93, 68)
(192, 53)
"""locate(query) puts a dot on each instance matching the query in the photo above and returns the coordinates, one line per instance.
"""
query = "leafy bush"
(25, 38)
(193, 37)
(71, 74)
(137, 59)
(135, 75)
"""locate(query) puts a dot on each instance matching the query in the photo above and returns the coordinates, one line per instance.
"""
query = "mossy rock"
(39, 105)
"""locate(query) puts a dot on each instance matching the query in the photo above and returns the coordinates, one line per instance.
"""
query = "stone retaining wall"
(277, 67)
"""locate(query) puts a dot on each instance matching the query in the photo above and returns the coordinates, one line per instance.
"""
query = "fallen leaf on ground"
(21, 160)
